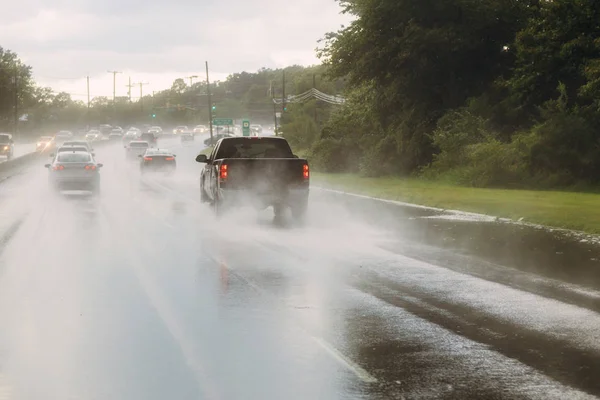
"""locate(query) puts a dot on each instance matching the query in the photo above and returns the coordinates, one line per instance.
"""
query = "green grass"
(579, 211)
(206, 151)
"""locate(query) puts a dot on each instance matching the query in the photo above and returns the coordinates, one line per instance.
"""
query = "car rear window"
(254, 148)
(72, 148)
(74, 157)
(138, 144)
(4, 138)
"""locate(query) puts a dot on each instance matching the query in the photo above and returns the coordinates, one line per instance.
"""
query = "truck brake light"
(223, 171)
(305, 171)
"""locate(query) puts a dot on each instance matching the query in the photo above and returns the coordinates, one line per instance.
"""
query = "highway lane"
(142, 294)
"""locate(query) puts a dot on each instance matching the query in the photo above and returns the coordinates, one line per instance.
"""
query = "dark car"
(158, 160)
(74, 170)
(7, 146)
(148, 137)
(257, 171)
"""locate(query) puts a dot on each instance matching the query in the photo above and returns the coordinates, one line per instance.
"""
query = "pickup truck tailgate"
(264, 174)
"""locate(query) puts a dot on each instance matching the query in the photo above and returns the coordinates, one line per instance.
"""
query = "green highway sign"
(222, 121)
(245, 128)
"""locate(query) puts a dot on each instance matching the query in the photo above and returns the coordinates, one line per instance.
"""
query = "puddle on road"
(554, 253)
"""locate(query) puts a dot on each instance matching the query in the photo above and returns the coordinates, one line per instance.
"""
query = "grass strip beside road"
(570, 210)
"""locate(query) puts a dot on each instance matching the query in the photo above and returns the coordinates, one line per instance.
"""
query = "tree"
(14, 76)
(422, 58)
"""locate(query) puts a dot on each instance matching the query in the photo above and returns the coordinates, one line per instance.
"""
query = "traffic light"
(214, 107)
(153, 115)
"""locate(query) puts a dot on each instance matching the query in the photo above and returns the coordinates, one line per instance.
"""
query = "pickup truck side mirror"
(100, 165)
(47, 166)
(202, 158)
(93, 154)
(139, 155)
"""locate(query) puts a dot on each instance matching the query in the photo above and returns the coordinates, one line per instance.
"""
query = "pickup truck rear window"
(254, 148)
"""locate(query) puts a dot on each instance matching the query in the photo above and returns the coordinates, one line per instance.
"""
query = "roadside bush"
(455, 132)
(334, 155)
(380, 159)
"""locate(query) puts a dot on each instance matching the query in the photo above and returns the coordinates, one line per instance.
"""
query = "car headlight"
(5, 147)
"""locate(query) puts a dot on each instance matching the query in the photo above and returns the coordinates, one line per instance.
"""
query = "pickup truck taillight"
(305, 171)
(223, 171)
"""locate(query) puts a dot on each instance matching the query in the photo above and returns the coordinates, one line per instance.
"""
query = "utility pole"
(191, 78)
(114, 92)
(88, 102)
(316, 100)
(209, 104)
(16, 82)
(129, 89)
(283, 96)
(142, 94)
(274, 107)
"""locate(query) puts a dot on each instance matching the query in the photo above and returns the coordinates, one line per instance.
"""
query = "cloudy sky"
(158, 41)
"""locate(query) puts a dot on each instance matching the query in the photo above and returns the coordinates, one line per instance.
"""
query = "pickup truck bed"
(256, 171)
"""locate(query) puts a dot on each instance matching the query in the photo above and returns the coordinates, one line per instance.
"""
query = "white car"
(83, 143)
(136, 148)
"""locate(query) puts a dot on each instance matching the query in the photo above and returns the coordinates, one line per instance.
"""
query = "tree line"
(478, 92)
(240, 95)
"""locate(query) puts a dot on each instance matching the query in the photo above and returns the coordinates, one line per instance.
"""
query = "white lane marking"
(360, 372)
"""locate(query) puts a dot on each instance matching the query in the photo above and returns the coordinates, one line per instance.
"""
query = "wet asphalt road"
(142, 294)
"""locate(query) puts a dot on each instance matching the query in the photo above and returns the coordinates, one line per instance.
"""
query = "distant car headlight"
(5, 147)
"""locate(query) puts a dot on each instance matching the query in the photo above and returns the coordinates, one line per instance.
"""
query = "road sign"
(245, 128)
(278, 115)
(222, 121)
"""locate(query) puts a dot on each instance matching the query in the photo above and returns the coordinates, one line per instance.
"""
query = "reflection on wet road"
(142, 294)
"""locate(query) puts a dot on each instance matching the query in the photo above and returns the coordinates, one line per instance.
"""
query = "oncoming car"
(45, 143)
(7, 146)
(74, 170)
(158, 160)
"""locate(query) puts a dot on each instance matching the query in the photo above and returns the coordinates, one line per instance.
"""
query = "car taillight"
(305, 171)
(147, 158)
(58, 167)
(170, 158)
(223, 171)
(90, 167)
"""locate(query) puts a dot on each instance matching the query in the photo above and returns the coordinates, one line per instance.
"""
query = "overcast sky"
(158, 41)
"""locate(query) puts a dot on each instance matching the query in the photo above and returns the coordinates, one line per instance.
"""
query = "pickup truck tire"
(278, 210)
(299, 211)
(218, 207)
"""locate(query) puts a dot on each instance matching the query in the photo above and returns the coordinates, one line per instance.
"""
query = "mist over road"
(142, 294)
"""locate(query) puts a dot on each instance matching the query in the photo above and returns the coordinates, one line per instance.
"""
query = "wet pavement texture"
(142, 294)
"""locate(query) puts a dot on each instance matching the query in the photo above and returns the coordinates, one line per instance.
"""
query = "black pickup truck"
(257, 171)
